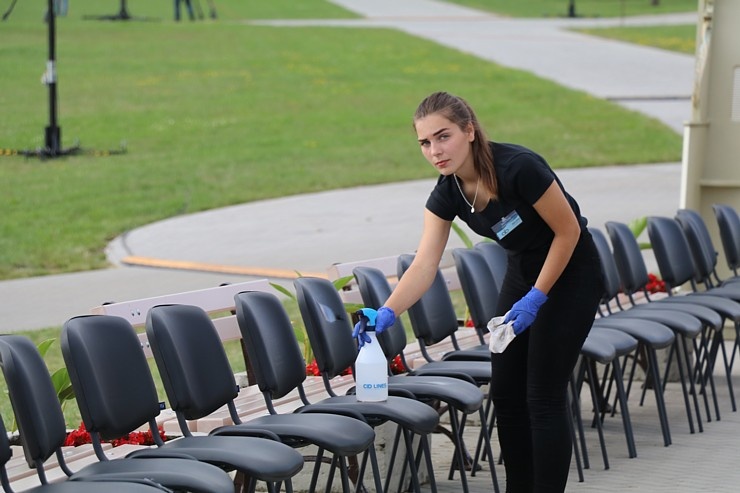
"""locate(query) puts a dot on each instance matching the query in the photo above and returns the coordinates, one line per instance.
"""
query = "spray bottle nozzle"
(367, 317)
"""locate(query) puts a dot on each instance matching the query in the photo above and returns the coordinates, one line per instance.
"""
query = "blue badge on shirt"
(506, 225)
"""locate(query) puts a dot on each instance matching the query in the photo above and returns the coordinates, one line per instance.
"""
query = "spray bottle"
(371, 367)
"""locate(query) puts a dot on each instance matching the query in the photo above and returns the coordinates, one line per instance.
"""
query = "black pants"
(530, 378)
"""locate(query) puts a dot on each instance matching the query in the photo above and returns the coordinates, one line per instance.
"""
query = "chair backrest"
(375, 289)
(496, 258)
(631, 266)
(608, 266)
(700, 243)
(478, 286)
(37, 411)
(191, 359)
(113, 384)
(671, 250)
(728, 221)
(272, 347)
(328, 325)
(433, 316)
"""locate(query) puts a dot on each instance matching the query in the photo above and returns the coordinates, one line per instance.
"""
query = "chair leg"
(622, 397)
(458, 461)
(684, 390)
(394, 451)
(701, 353)
(577, 415)
(344, 474)
(317, 465)
(728, 373)
(658, 390)
(411, 461)
(489, 451)
(430, 467)
(692, 384)
(375, 468)
(490, 413)
(597, 420)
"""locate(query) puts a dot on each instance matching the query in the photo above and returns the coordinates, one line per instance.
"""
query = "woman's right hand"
(381, 319)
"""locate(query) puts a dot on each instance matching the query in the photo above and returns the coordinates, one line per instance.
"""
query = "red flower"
(312, 370)
(655, 284)
(80, 436)
(397, 366)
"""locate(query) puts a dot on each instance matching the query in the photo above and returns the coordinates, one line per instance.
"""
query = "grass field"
(681, 38)
(220, 112)
(583, 8)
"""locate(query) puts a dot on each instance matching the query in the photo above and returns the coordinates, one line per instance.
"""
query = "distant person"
(188, 5)
(550, 293)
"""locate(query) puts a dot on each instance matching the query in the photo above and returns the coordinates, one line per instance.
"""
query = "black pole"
(572, 8)
(53, 139)
(52, 133)
(123, 14)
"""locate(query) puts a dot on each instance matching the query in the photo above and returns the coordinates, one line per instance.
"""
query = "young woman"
(508, 193)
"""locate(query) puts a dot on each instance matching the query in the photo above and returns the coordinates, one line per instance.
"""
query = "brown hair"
(459, 112)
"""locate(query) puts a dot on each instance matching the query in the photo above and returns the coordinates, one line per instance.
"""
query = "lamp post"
(52, 133)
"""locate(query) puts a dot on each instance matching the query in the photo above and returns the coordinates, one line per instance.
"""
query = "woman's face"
(444, 144)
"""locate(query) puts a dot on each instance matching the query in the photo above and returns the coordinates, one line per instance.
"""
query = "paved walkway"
(699, 462)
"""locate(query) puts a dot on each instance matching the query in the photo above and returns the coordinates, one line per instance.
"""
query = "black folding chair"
(43, 432)
(182, 337)
(330, 332)
(677, 268)
(728, 221)
(116, 395)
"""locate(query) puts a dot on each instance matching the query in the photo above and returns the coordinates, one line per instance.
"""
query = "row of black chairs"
(116, 395)
(622, 334)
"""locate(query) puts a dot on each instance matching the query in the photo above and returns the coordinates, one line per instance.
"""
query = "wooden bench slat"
(211, 300)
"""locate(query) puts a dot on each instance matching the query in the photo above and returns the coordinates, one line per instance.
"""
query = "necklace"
(472, 206)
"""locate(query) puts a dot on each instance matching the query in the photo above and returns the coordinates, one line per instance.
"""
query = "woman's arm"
(555, 210)
(420, 274)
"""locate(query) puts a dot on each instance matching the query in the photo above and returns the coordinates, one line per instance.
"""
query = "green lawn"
(210, 110)
(583, 8)
(681, 38)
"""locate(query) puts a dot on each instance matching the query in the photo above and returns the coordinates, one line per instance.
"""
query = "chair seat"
(338, 434)
(654, 334)
(480, 371)
(704, 314)
(622, 342)
(726, 307)
(176, 474)
(477, 353)
(461, 395)
(730, 291)
(410, 414)
(683, 323)
(95, 487)
(598, 349)
(257, 457)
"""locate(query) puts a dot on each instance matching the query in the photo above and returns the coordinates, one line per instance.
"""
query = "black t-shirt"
(523, 176)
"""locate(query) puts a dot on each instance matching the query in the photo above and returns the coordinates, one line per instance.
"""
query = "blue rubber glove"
(525, 310)
(381, 319)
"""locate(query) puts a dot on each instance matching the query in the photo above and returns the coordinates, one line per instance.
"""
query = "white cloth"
(501, 334)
